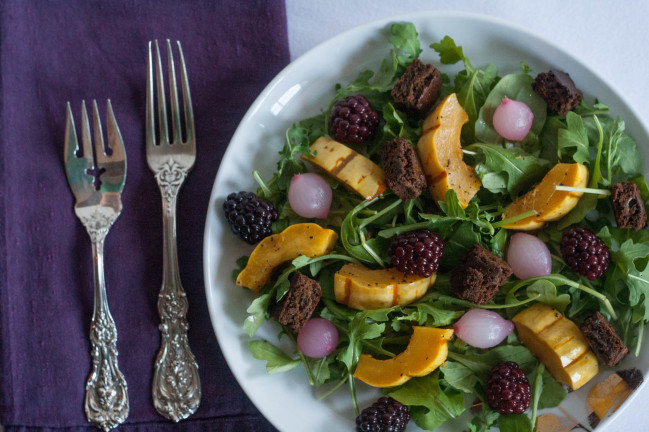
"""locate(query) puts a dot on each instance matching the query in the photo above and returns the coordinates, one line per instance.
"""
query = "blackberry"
(385, 415)
(508, 390)
(585, 253)
(416, 252)
(353, 121)
(249, 216)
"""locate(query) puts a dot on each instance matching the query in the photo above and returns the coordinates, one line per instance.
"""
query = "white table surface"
(608, 36)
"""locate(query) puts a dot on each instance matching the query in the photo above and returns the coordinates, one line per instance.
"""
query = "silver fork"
(176, 383)
(106, 398)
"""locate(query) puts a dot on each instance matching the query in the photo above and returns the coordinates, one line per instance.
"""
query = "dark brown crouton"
(558, 90)
(403, 172)
(297, 306)
(628, 206)
(632, 377)
(479, 276)
(603, 339)
(417, 90)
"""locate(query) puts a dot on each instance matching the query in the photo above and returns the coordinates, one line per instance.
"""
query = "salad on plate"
(461, 238)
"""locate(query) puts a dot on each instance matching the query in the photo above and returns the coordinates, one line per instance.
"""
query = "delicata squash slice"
(558, 343)
(440, 152)
(550, 204)
(306, 239)
(361, 288)
(349, 167)
(426, 351)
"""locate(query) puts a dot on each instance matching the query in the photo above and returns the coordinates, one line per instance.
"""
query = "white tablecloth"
(609, 36)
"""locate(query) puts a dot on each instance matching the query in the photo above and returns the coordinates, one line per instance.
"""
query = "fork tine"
(162, 105)
(115, 141)
(173, 95)
(86, 141)
(100, 149)
(150, 116)
(187, 99)
(71, 142)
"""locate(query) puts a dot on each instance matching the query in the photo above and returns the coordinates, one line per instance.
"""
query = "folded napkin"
(58, 51)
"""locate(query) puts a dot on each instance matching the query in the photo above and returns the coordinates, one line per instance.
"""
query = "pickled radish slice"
(318, 338)
(528, 256)
(482, 328)
(310, 196)
(512, 119)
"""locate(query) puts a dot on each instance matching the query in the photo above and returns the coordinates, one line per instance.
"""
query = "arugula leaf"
(396, 125)
(547, 292)
(405, 38)
(256, 313)
(449, 52)
(552, 393)
(430, 405)
(620, 152)
(485, 420)
(358, 330)
(573, 141)
(276, 359)
(354, 233)
(514, 423)
(536, 380)
(631, 261)
(435, 314)
(459, 376)
(517, 169)
(549, 136)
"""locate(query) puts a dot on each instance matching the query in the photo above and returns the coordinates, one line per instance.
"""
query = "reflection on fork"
(176, 383)
(96, 176)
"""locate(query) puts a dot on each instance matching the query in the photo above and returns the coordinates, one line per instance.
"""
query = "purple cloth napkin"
(58, 51)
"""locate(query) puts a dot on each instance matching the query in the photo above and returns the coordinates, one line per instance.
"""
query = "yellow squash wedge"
(361, 288)
(349, 167)
(307, 239)
(426, 351)
(440, 152)
(558, 343)
(549, 203)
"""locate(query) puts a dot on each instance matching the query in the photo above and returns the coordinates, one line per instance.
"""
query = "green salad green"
(586, 135)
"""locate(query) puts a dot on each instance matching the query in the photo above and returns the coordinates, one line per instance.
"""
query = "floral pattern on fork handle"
(106, 399)
(176, 383)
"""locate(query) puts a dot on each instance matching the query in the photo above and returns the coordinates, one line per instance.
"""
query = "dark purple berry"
(353, 121)
(249, 216)
(416, 252)
(508, 390)
(385, 415)
(585, 253)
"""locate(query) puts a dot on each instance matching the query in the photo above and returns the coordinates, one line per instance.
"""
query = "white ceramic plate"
(303, 89)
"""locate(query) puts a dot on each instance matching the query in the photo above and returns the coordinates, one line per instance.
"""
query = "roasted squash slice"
(426, 351)
(440, 152)
(349, 167)
(558, 343)
(361, 288)
(549, 203)
(307, 239)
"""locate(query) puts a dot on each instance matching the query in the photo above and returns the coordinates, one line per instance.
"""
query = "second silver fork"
(176, 383)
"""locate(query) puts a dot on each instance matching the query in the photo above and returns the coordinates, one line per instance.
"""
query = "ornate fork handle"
(176, 384)
(106, 400)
